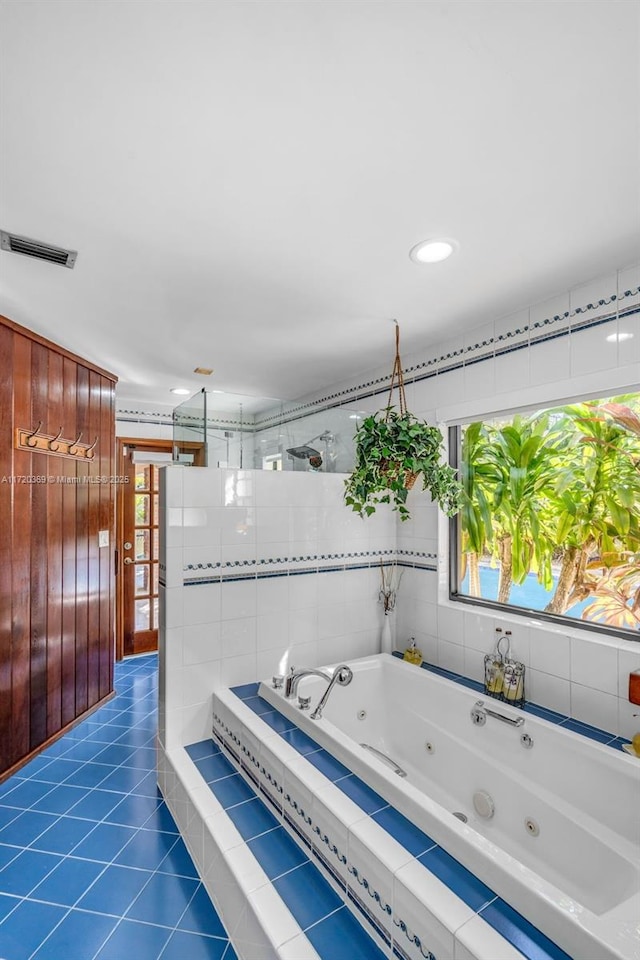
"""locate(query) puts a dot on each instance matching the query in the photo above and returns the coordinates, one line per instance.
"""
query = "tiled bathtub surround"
(371, 856)
(560, 352)
(226, 532)
(568, 670)
(215, 635)
(564, 720)
(260, 570)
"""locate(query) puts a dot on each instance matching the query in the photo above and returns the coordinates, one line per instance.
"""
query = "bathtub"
(555, 826)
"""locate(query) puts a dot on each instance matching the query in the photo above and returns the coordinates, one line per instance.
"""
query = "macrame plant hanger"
(397, 380)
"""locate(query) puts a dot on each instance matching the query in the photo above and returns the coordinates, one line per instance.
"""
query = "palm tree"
(561, 486)
(513, 469)
(597, 494)
(476, 475)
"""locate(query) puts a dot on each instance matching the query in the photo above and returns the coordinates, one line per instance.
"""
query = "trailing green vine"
(392, 447)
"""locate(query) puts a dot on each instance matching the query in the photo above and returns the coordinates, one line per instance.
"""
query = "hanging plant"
(394, 448)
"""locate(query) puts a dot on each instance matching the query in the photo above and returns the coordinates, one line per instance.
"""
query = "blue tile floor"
(91, 863)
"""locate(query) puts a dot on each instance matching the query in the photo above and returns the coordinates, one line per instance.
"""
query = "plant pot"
(393, 470)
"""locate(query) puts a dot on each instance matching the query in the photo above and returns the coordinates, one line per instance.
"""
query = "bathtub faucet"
(294, 677)
(342, 675)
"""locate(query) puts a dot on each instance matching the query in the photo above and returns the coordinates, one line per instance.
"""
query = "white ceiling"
(244, 180)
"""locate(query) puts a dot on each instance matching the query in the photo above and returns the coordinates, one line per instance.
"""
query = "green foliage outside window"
(557, 494)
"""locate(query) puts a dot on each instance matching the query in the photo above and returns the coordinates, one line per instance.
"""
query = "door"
(137, 545)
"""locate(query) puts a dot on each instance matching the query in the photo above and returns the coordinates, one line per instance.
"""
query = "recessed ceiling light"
(216, 391)
(180, 391)
(433, 251)
(619, 337)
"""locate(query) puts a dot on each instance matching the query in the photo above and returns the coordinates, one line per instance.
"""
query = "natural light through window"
(551, 514)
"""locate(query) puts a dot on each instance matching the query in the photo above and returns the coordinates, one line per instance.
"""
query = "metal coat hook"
(37, 442)
(34, 433)
(53, 444)
(89, 450)
(75, 443)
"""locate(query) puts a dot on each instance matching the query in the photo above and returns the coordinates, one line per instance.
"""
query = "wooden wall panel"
(82, 549)
(70, 520)
(108, 492)
(21, 555)
(55, 419)
(56, 583)
(93, 550)
(39, 552)
(6, 499)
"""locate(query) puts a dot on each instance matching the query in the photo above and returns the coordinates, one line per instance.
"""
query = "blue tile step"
(514, 928)
(319, 910)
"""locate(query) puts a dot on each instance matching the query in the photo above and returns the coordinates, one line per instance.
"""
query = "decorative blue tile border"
(538, 332)
(498, 346)
(234, 570)
(163, 419)
(412, 938)
(477, 895)
(272, 849)
(302, 824)
(510, 924)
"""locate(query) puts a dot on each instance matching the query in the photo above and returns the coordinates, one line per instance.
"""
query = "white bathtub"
(578, 878)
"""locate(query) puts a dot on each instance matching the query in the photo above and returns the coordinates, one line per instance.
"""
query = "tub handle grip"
(479, 714)
(382, 756)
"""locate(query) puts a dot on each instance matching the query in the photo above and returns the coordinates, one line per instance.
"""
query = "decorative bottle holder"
(504, 677)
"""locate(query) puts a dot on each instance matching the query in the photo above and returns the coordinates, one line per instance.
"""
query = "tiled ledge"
(311, 900)
(254, 915)
(476, 915)
(576, 726)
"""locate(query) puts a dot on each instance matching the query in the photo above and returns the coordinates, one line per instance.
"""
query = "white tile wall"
(222, 516)
(594, 665)
(480, 379)
(551, 653)
(550, 360)
(512, 371)
(570, 670)
(237, 631)
(549, 691)
(590, 349)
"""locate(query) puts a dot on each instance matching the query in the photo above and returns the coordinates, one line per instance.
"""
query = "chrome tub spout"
(294, 677)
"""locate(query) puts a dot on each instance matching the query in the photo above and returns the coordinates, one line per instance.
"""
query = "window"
(551, 515)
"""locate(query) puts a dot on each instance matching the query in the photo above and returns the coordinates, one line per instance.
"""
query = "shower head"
(303, 453)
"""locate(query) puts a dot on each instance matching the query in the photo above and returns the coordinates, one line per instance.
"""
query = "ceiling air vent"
(34, 248)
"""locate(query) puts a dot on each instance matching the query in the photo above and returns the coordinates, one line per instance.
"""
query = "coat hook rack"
(89, 453)
(33, 436)
(75, 443)
(55, 446)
